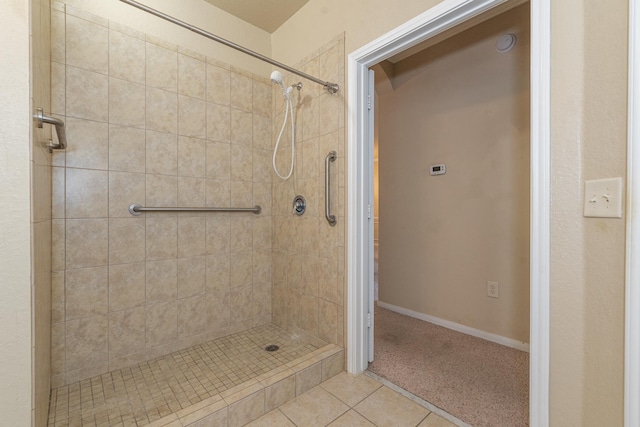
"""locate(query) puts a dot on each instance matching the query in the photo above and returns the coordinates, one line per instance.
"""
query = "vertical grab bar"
(327, 188)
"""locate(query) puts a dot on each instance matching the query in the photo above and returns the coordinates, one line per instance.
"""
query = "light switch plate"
(603, 198)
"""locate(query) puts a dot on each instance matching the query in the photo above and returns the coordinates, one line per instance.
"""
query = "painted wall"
(443, 237)
(589, 71)
(151, 122)
(15, 217)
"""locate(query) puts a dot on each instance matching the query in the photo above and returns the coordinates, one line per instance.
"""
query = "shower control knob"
(299, 205)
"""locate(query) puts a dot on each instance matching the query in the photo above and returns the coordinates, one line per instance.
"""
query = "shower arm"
(330, 87)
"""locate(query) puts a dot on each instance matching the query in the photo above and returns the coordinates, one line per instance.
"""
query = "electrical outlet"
(493, 290)
(603, 198)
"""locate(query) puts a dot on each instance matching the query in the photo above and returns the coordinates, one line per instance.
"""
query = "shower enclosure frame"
(439, 18)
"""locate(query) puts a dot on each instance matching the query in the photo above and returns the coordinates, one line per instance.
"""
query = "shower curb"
(250, 400)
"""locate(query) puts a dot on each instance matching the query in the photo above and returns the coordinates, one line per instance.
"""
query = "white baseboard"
(498, 339)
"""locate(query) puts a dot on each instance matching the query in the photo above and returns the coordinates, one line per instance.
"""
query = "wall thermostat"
(438, 169)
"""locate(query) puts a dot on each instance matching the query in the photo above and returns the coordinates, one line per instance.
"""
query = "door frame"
(632, 269)
(439, 18)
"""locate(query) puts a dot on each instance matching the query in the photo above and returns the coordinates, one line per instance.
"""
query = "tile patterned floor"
(347, 400)
(151, 390)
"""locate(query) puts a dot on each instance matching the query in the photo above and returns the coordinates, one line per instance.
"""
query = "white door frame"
(632, 279)
(439, 18)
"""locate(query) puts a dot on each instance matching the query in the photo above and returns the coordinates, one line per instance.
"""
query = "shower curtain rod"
(331, 87)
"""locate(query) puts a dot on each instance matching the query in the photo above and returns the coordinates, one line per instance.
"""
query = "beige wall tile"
(218, 234)
(191, 157)
(58, 351)
(86, 342)
(241, 233)
(87, 95)
(58, 244)
(162, 190)
(58, 192)
(262, 98)
(125, 189)
(191, 192)
(262, 232)
(310, 275)
(191, 77)
(57, 297)
(161, 110)
(328, 284)
(161, 323)
(126, 332)
(126, 240)
(241, 92)
(218, 85)
(217, 309)
(161, 280)
(162, 238)
(161, 153)
(86, 292)
(192, 316)
(241, 163)
(90, 147)
(262, 197)
(279, 393)
(217, 274)
(241, 269)
(262, 267)
(191, 276)
(127, 286)
(273, 418)
(218, 193)
(218, 161)
(262, 166)
(217, 419)
(87, 45)
(161, 67)
(241, 127)
(58, 35)
(241, 304)
(246, 410)
(262, 132)
(332, 365)
(191, 236)
(126, 149)
(262, 301)
(309, 314)
(58, 88)
(218, 122)
(126, 57)
(127, 103)
(241, 193)
(87, 243)
(192, 117)
(328, 323)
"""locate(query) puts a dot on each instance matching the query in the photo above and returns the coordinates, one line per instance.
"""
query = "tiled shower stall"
(153, 123)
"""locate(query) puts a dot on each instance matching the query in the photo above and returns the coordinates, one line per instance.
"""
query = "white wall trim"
(458, 327)
(443, 16)
(632, 273)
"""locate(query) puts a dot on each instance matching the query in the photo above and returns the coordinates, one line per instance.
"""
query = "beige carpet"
(477, 381)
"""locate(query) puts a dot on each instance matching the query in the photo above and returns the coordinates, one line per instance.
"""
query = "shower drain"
(272, 347)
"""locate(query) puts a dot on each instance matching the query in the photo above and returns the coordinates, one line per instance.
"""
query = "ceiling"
(266, 14)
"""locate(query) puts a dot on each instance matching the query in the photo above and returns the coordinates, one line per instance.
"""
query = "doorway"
(452, 133)
(432, 23)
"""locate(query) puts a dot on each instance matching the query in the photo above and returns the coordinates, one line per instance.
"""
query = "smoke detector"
(506, 42)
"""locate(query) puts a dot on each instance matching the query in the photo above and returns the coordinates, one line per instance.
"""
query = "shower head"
(276, 77)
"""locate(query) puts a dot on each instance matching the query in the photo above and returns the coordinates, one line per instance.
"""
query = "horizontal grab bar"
(137, 209)
(59, 124)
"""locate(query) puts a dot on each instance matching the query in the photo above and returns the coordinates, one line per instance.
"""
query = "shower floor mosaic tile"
(151, 390)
